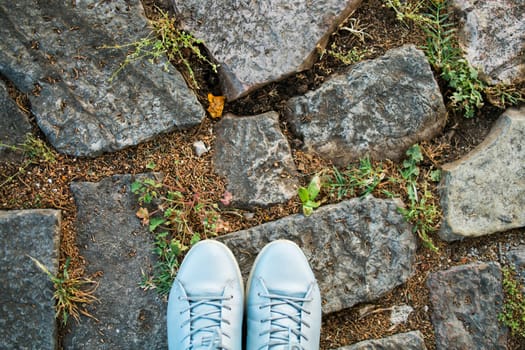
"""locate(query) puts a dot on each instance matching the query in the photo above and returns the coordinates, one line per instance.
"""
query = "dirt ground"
(46, 185)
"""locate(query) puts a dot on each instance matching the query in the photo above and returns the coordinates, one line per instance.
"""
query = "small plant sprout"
(350, 57)
(513, 313)
(307, 195)
(70, 292)
(421, 210)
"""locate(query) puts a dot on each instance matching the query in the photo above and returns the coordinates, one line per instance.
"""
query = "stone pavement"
(359, 249)
(26, 297)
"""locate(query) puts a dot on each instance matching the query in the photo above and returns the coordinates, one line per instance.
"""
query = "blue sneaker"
(205, 306)
(283, 303)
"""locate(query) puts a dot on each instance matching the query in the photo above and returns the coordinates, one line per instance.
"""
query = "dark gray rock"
(516, 257)
(406, 341)
(27, 308)
(358, 249)
(484, 192)
(112, 241)
(254, 156)
(14, 125)
(54, 48)
(379, 108)
(256, 42)
(466, 301)
(492, 34)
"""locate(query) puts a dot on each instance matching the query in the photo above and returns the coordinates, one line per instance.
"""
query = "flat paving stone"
(113, 242)
(379, 108)
(27, 307)
(406, 341)
(484, 192)
(54, 51)
(359, 249)
(257, 42)
(254, 156)
(14, 125)
(466, 301)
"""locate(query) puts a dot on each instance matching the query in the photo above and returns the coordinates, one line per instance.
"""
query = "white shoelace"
(284, 309)
(205, 321)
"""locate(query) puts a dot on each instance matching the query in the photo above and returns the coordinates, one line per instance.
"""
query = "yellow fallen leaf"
(216, 105)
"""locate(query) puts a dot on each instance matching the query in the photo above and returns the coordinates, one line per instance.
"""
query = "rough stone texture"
(27, 309)
(358, 249)
(54, 48)
(516, 257)
(379, 108)
(466, 301)
(256, 42)
(484, 192)
(112, 241)
(492, 33)
(406, 341)
(14, 125)
(254, 156)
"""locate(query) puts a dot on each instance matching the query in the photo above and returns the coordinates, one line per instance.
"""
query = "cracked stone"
(257, 42)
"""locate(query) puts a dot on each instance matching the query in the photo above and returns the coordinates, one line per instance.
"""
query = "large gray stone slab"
(466, 301)
(112, 240)
(484, 192)
(492, 34)
(255, 158)
(378, 108)
(256, 42)
(14, 125)
(358, 249)
(27, 308)
(406, 341)
(54, 48)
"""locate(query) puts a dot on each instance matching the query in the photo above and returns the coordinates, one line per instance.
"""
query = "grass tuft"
(70, 292)
(165, 40)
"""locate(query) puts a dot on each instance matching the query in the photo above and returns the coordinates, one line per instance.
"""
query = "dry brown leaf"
(143, 214)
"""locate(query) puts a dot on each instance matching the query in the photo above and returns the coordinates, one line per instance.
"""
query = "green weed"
(446, 57)
(421, 210)
(407, 11)
(165, 40)
(35, 151)
(443, 52)
(350, 57)
(70, 292)
(307, 195)
(178, 220)
(513, 314)
(354, 181)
